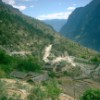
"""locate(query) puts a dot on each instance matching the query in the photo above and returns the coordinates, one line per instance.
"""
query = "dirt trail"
(57, 59)
(65, 97)
(66, 58)
(23, 53)
(47, 53)
(19, 92)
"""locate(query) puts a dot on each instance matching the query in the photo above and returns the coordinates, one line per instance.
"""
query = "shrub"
(37, 94)
(7, 63)
(53, 90)
(49, 90)
(95, 59)
(28, 65)
(4, 58)
(91, 94)
(52, 74)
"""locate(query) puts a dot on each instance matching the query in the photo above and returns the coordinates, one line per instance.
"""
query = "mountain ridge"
(83, 25)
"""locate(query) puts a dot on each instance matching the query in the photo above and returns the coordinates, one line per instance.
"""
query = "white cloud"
(60, 15)
(70, 8)
(13, 3)
(20, 7)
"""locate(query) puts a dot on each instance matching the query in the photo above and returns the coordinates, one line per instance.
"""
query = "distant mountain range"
(83, 25)
(56, 23)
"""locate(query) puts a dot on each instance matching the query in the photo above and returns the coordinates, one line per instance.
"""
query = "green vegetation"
(24, 33)
(6, 97)
(91, 94)
(37, 94)
(6, 63)
(28, 65)
(49, 90)
(52, 74)
(10, 63)
(53, 90)
(73, 72)
(20, 33)
(96, 59)
(4, 58)
(43, 91)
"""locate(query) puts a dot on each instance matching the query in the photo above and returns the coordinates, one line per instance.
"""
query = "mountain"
(56, 23)
(32, 52)
(83, 25)
(22, 34)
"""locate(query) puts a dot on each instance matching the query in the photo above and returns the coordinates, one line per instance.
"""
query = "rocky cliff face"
(83, 25)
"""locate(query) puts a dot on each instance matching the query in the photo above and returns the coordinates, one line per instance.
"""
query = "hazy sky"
(47, 9)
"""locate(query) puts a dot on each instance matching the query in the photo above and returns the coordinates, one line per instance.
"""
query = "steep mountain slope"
(56, 23)
(83, 25)
(20, 33)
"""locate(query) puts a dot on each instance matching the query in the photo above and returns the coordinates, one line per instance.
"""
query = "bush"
(28, 65)
(53, 90)
(4, 58)
(37, 94)
(49, 90)
(95, 59)
(52, 74)
(7, 63)
(91, 94)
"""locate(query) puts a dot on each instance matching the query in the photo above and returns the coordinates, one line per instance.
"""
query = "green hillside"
(19, 32)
